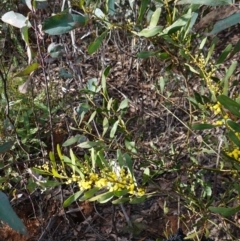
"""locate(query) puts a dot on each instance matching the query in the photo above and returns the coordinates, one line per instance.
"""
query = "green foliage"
(102, 122)
(206, 2)
(9, 216)
(99, 179)
(6, 146)
(63, 23)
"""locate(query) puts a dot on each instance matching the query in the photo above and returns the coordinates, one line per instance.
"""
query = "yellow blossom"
(234, 154)
(93, 176)
(131, 188)
(226, 117)
(74, 178)
(102, 182)
(69, 181)
(141, 192)
(219, 123)
(84, 184)
(112, 177)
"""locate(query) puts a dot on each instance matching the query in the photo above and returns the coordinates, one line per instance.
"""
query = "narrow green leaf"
(120, 158)
(224, 54)
(114, 129)
(206, 2)
(109, 104)
(225, 212)
(155, 17)
(121, 200)
(228, 75)
(146, 54)
(211, 49)
(129, 162)
(200, 126)
(104, 162)
(235, 126)
(72, 140)
(111, 7)
(142, 10)
(229, 104)
(226, 101)
(182, 21)
(56, 174)
(123, 104)
(27, 71)
(52, 159)
(88, 194)
(192, 69)
(102, 198)
(8, 215)
(149, 32)
(89, 144)
(50, 184)
(234, 138)
(146, 175)
(161, 83)
(163, 56)
(191, 236)
(92, 116)
(193, 20)
(6, 146)
(60, 156)
(99, 162)
(40, 171)
(73, 161)
(25, 37)
(225, 23)
(103, 82)
(120, 193)
(136, 200)
(235, 50)
(93, 158)
(105, 126)
(59, 152)
(93, 47)
(63, 22)
(106, 71)
(198, 98)
(72, 198)
(202, 44)
(130, 145)
(68, 161)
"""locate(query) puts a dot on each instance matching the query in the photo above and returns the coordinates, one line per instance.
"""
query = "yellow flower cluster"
(216, 108)
(45, 167)
(109, 180)
(121, 181)
(234, 154)
(200, 60)
(219, 123)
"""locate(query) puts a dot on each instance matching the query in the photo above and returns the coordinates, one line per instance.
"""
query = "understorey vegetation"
(127, 106)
